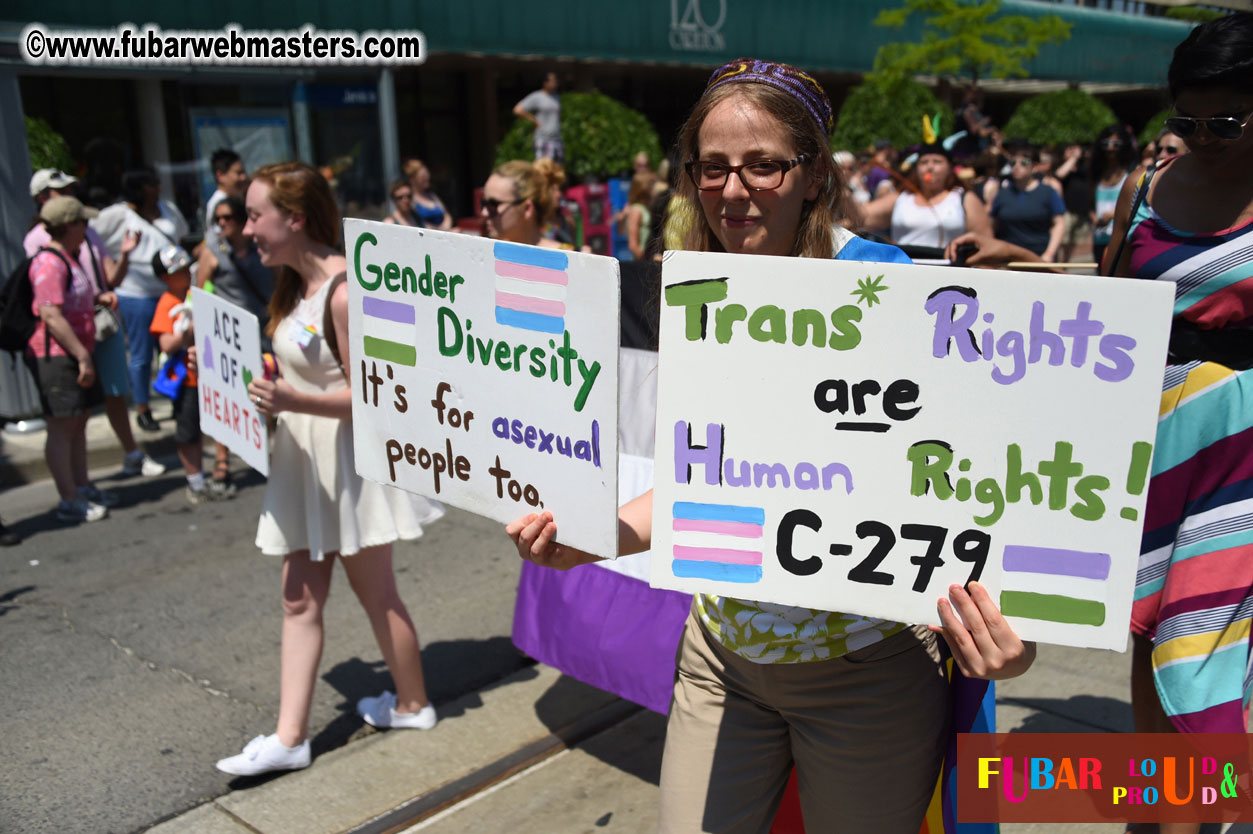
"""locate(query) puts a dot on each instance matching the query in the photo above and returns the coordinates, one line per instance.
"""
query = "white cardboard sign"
(228, 356)
(858, 437)
(485, 374)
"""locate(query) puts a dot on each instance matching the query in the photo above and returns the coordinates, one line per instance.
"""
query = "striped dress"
(1194, 587)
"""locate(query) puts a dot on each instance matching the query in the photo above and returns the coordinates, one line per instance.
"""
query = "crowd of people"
(1056, 203)
(759, 178)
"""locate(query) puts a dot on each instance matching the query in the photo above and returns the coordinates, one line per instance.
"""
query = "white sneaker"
(96, 495)
(80, 509)
(138, 463)
(264, 754)
(380, 711)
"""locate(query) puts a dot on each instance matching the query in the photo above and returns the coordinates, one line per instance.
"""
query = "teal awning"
(819, 35)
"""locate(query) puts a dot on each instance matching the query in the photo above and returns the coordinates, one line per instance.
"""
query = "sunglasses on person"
(1022, 160)
(1169, 150)
(759, 175)
(1227, 128)
(402, 195)
(492, 207)
(222, 218)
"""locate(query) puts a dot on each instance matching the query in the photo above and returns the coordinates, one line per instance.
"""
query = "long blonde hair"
(814, 238)
(297, 188)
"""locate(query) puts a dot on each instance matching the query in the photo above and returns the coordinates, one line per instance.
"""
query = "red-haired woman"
(316, 506)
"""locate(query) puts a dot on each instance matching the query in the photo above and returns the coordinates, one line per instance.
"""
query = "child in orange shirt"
(172, 325)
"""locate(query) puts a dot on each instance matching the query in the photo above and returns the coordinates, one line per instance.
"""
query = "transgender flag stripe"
(720, 573)
(726, 528)
(717, 554)
(518, 270)
(714, 525)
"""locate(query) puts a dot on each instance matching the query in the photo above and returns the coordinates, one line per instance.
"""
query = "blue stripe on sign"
(687, 569)
(530, 255)
(719, 512)
(530, 321)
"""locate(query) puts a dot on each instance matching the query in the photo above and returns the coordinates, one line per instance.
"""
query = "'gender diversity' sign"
(228, 353)
(858, 437)
(485, 374)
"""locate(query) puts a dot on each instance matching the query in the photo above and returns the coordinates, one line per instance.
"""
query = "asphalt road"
(136, 651)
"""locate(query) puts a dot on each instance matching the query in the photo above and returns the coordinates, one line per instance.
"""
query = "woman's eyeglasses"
(1227, 128)
(1169, 150)
(760, 175)
(222, 218)
(402, 195)
(492, 207)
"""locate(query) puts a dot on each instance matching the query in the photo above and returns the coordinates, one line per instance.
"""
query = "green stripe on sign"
(1052, 607)
(391, 351)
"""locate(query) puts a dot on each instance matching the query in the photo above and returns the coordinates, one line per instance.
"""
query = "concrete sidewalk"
(539, 753)
(22, 454)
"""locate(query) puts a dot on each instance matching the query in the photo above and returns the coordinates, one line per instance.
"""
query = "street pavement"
(138, 650)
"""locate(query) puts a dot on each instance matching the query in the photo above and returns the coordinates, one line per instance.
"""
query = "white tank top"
(916, 225)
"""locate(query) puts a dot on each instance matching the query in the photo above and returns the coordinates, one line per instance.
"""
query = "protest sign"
(485, 374)
(858, 437)
(228, 352)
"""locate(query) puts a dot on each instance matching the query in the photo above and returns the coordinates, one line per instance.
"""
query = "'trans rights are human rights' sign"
(857, 437)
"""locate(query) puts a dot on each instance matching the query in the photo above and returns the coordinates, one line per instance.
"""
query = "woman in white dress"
(316, 506)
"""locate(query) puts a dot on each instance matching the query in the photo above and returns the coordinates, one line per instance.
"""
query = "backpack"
(17, 297)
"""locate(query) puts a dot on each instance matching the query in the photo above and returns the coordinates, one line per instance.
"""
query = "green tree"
(48, 149)
(894, 111)
(1196, 14)
(1059, 118)
(601, 137)
(965, 38)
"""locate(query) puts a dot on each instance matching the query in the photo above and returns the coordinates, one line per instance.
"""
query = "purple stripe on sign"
(738, 529)
(525, 304)
(717, 554)
(1080, 563)
(391, 310)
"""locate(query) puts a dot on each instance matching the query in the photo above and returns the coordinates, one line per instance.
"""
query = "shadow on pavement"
(1077, 714)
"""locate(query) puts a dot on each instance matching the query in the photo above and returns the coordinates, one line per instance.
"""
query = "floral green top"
(764, 632)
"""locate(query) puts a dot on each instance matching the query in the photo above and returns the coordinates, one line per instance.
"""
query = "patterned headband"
(799, 85)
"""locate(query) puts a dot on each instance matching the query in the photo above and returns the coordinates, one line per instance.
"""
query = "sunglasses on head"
(492, 207)
(1227, 128)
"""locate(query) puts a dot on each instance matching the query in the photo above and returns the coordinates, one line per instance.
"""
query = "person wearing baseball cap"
(47, 180)
(59, 355)
(110, 353)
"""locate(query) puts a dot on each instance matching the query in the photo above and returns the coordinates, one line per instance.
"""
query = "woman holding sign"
(860, 706)
(316, 506)
(1191, 222)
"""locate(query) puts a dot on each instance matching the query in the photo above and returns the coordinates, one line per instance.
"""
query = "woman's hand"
(190, 359)
(108, 299)
(271, 397)
(129, 241)
(985, 646)
(86, 372)
(533, 536)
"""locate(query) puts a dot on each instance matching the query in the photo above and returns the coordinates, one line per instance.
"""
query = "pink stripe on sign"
(524, 304)
(739, 529)
(531, 273)
(717, 554)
